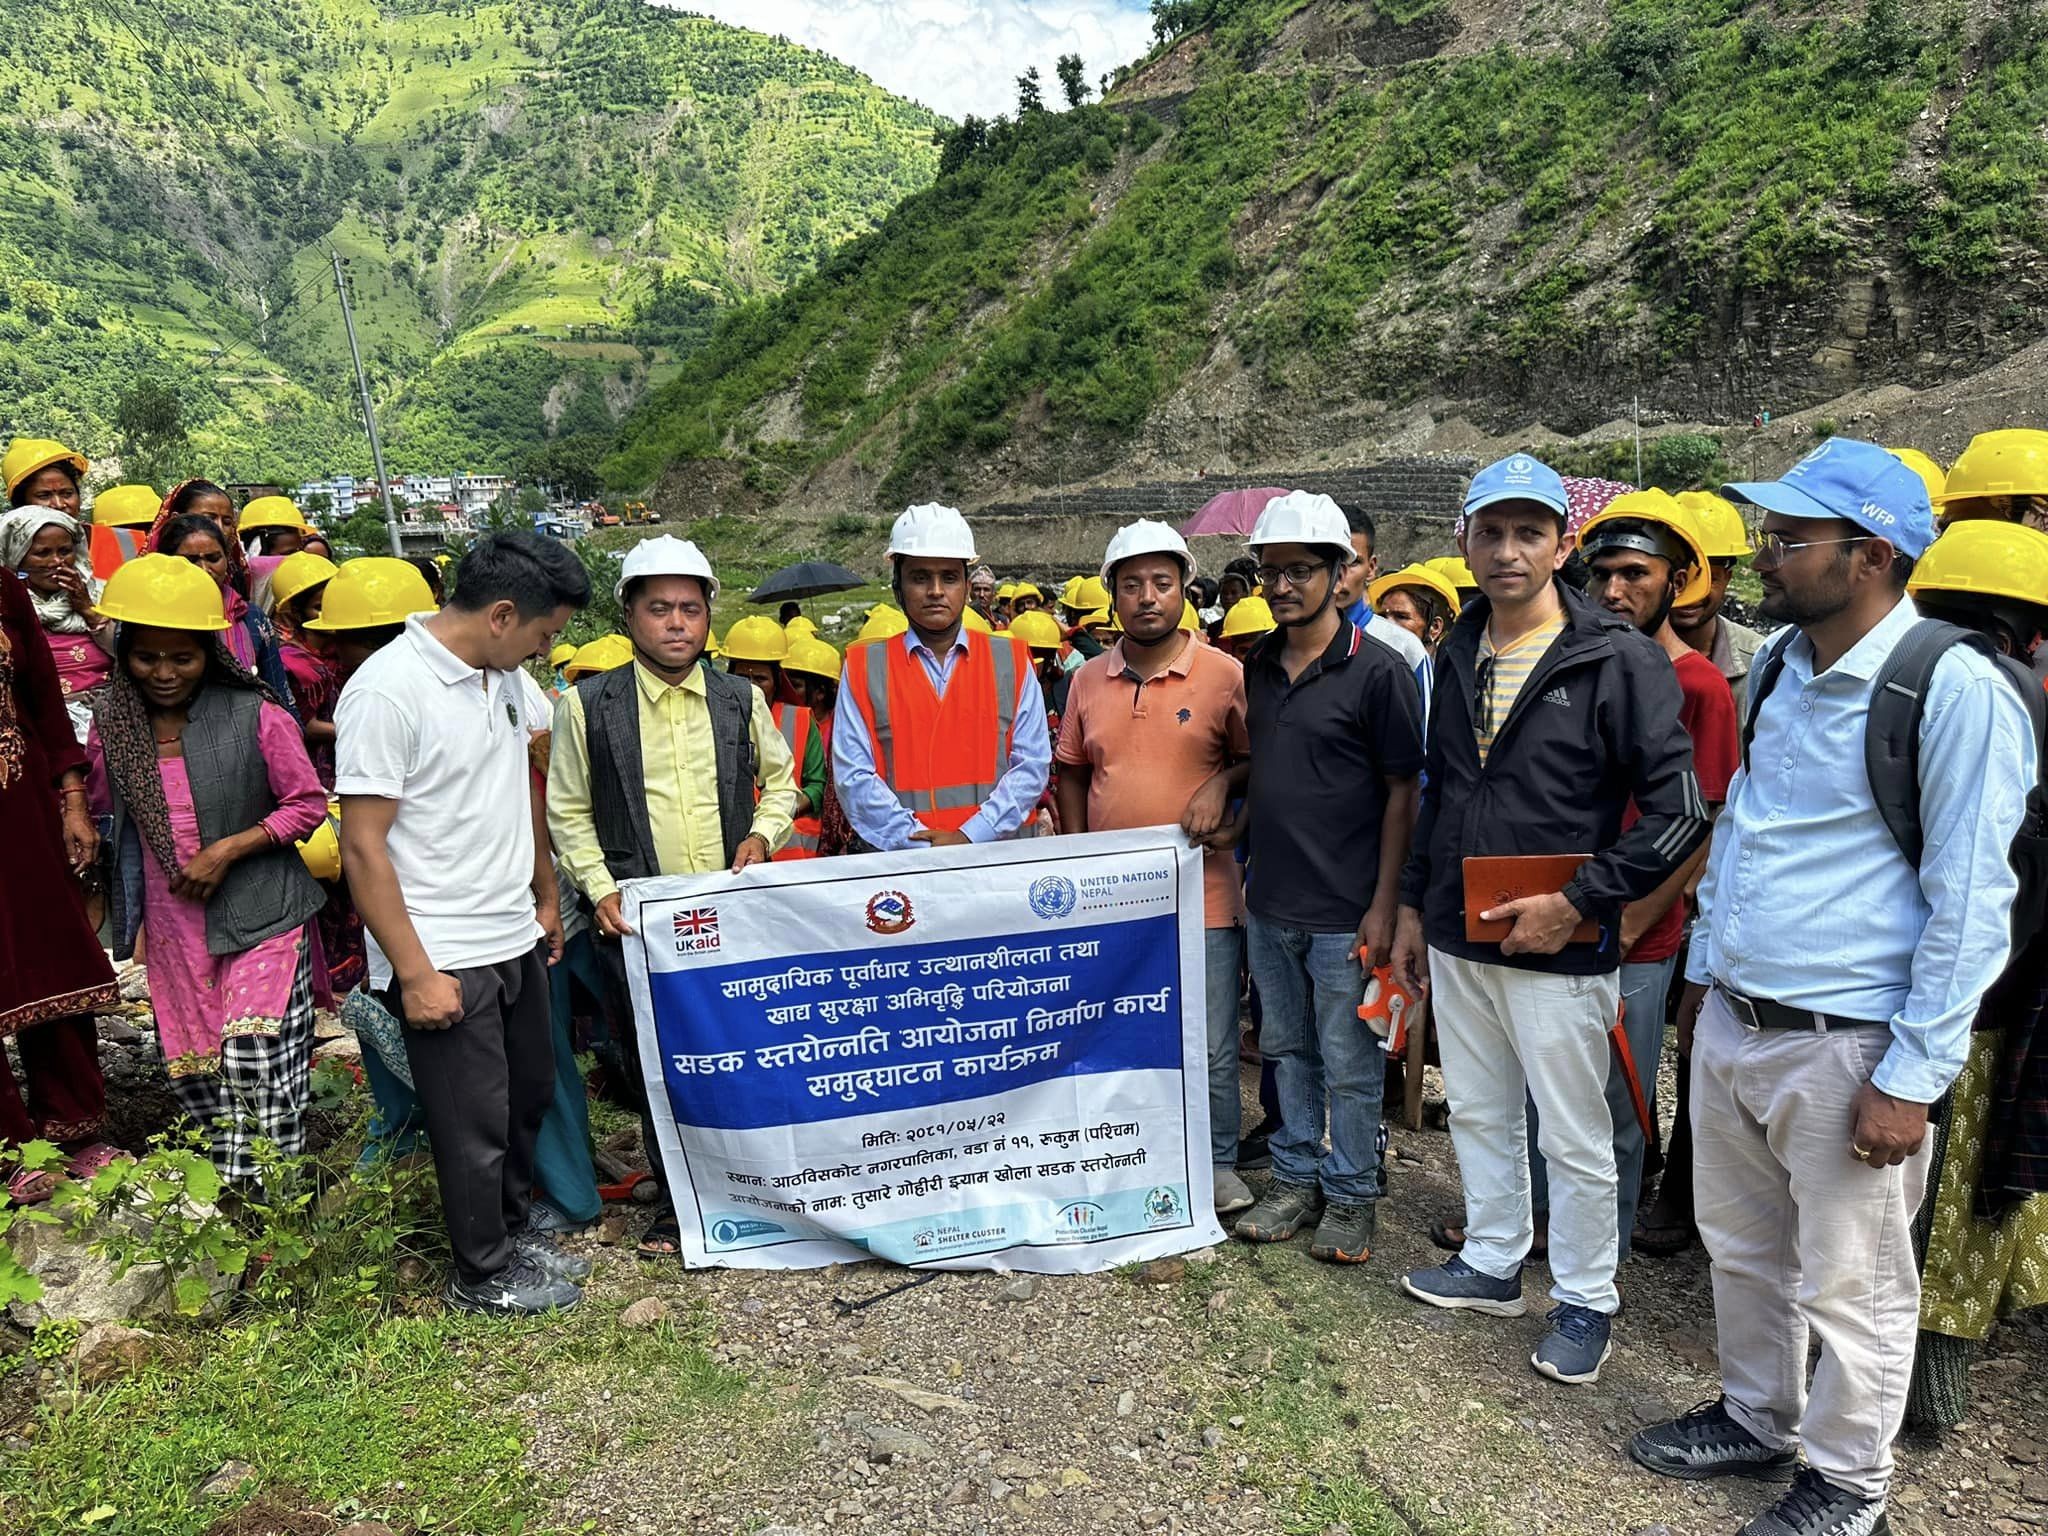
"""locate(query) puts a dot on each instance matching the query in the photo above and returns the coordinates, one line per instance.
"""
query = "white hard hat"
(1304, 517)
(934, 530)
(665, 556)
(1146, 537)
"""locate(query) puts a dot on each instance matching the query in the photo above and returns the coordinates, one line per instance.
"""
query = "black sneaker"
(1344, 1235)
(1706, 1442)
(1253, 1153)
(520, 1288)
(1282, 1211)
(545, 1249)
(1816, 1507)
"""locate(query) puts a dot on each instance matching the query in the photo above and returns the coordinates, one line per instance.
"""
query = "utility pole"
(1639, 441)
(348, 321)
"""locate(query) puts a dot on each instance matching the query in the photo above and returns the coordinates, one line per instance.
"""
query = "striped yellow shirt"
(1503, 671)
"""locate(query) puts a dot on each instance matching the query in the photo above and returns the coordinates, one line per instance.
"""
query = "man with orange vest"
(755, 649)
(944, 740)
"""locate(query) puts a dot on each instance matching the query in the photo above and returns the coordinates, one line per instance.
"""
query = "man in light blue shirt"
(1834, 984)
(936, 786)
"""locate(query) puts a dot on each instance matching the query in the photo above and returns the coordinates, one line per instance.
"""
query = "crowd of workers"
(1547, 792)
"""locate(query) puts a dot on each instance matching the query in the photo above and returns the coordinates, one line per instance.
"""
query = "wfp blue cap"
(1856, 482)
(1517, 478)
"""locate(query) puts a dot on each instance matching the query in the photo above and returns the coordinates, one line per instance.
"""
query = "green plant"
(16, 1283)
(54, 1337)
(159, 1208)
(1825, 427)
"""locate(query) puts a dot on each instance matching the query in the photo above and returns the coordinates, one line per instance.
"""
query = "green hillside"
(542, 206)
(1297, 212)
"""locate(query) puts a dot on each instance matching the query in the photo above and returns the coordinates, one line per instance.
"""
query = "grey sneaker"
(1813, 1506)
(546, 1251)
(1281, 1212)
(1232, 1193)
(1578, 1344)
(520, 1288)
(1707, 1442)
(1456, 1285)
(1344, 1235)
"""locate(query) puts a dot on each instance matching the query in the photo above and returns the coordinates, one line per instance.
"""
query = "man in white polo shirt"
(447, 858)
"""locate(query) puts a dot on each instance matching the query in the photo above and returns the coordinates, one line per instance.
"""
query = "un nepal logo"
(890, 912)
(1053, 896)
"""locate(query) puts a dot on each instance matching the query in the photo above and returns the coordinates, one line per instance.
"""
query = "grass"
(421, 1421)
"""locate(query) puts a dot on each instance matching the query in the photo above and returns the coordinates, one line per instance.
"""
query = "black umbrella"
(807, 578)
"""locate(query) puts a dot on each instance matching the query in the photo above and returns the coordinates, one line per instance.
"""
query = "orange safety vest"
(796, 726)
(941, 756)
(114, 547)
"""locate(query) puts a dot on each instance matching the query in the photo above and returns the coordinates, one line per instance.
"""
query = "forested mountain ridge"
(1300, 221)
(541, 204)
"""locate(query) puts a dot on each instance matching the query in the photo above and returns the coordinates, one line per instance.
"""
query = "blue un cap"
(1856, 482)
(1517, 478)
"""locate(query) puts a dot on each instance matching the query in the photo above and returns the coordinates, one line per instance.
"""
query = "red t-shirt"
(1707, 711)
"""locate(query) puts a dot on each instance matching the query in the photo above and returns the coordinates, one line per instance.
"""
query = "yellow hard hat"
(1248, 616)
(1040, 631)
(26, 455)
(562, 651)
(1408, 576)
(600, 655)
(1093, 594)
(272, 512)
(800, 625)
(163, 591)
(1986, 557)
(1723, 533)
(126, 506)
(756, 638)
(883, 623)
(2010, 462)
(1927, 469)
(1455, 568)
(1070, 594)
(1006, 591)
(712, 645)
(972, 622)
(297, 573)
(321, 848)
(809, 654)
(1094, 619)
(371, 592)
(1190, 620)
(1655, 506)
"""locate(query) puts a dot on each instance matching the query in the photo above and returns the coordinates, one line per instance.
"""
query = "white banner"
(960, 1058)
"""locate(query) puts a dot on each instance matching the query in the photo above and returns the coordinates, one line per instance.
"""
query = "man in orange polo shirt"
(1154, 733)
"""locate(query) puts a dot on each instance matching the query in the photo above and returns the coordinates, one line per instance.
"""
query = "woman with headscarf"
(250, 639)
(53, 973)
(210, 788)
(50, 551)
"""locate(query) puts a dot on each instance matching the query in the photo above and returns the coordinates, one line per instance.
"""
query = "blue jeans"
(1222, 958)
(1644, 989)
(1310, 986)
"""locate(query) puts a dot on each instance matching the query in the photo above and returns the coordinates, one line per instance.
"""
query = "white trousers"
(1805, 1237)
(1508, 1034)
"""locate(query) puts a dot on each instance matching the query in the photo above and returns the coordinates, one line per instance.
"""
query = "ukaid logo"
(1053, 896)
(696, 930)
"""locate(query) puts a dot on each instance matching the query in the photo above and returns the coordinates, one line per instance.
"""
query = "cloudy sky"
(956, 56)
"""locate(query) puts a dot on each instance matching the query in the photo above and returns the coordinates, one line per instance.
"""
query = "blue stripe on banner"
(826, 1036)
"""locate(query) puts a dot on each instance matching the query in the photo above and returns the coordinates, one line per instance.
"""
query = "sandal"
(91, 1158)
(663, 1238)
(31, 1186)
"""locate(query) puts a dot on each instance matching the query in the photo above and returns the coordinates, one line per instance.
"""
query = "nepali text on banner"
(961, 1057)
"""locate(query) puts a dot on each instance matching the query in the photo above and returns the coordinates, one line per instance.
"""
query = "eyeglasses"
(1482, 696)
(1294, 575)
(1771, 548)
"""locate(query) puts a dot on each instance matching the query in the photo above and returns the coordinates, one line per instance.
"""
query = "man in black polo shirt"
(1336, 738)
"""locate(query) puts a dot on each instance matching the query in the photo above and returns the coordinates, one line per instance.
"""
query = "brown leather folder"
(1494, 882)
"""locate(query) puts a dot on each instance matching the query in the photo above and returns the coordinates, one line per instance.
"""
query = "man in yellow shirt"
(662, 767)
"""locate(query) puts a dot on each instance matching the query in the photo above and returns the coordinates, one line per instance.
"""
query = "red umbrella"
(1232, 511)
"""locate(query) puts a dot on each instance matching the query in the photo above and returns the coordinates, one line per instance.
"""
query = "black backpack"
(1891, 747)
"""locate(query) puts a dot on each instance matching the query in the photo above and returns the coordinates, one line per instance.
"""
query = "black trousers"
(619, 1021)
(484, 1084)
